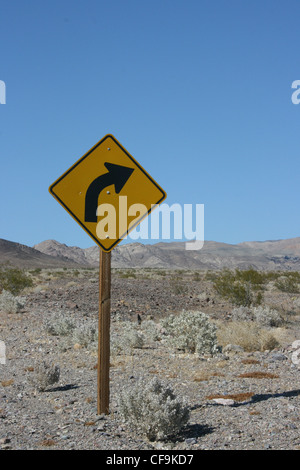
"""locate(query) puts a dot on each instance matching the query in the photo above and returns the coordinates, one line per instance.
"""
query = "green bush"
(128, 274)
(177, 287)
(240, 287)
(13, 280)
(197, 277)
(36, 271)
(256, 278)
(289, 284)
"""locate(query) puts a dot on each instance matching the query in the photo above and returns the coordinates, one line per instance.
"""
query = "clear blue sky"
(198, 91)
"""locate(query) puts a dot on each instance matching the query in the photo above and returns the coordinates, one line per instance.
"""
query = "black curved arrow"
(117, 175)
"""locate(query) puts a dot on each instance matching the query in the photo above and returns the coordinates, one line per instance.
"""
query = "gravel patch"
(238, 400)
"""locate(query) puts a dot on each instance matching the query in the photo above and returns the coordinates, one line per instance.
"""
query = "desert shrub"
(191, 332)
(131, 337)
(296, 303)
(45, 374)
(196, 276)
(59, 326)
(256, 278)
(10, 303)
(239, 288)
(153, 409)
(36, 271)
(117, 345)
(14, 280)
(161, 272)
(85, 335)
(151, 330)
(289, 284)
(177, 287)
(128, 274)
(249, 335)
(242, 313)
(267, 316)
(211, 275)
(264, 316)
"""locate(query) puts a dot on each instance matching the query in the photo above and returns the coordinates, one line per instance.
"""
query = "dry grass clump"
(7, 383)
(258, 375)
(234, 396)
(205, 375)
(254, 413)
(249, 335)
(48, 443)
(250, 361)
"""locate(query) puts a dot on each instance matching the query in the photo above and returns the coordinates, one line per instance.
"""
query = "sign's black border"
(52, 192)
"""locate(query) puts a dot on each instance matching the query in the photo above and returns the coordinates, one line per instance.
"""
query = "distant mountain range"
(26, 257)
(267, 255)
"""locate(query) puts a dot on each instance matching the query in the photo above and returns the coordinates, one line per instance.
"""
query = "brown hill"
(26, 257)
(266, 255)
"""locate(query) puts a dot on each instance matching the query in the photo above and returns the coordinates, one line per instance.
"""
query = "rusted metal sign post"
(106, 177)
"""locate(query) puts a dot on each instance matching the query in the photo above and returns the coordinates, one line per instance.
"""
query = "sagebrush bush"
(267, 316)
(131, 337)
(264, 316)
(151, 330)
(85, 335)
(191, 332)
(296, 303)
(10, 303)
(13, 280)
(242, 314)
(59, 326)
(45, 374)
(153, 409)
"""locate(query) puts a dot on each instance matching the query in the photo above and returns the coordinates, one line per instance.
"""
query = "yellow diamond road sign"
(107, 192)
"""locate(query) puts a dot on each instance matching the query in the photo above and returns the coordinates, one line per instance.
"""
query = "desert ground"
(246, 396)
